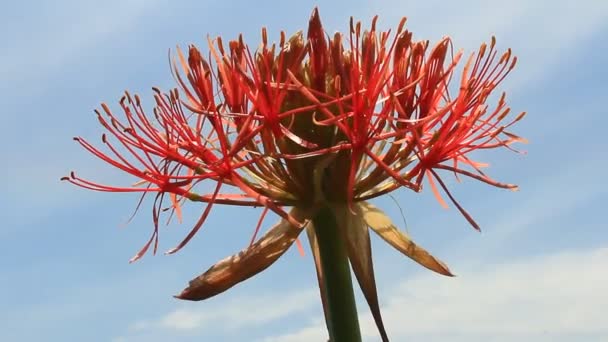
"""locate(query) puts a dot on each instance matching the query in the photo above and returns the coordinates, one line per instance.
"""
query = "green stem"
(341, 315)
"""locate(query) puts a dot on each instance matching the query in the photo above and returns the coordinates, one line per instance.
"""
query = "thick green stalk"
(343, 323)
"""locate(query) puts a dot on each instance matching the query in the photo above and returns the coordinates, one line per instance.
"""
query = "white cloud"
(185, 319)
(314, 332)
(551, 296)
(234, 315)
(556, 293)
(119, 339)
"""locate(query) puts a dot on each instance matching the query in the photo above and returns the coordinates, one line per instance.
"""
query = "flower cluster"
(315, 121)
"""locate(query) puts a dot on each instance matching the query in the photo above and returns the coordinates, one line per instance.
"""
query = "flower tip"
(135, 258)
(448, 273)
(172, 250)
(188, 294)
(315, 28)
(182, 295)
(444, 269)
(314, 16)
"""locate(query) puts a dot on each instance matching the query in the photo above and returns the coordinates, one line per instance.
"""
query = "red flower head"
(312, 123)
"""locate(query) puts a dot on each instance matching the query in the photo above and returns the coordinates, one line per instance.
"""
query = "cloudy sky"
(537, 272)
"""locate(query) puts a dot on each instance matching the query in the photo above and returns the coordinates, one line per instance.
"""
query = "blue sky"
(537, 272)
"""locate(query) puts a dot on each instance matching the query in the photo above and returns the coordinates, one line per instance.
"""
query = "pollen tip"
(374, 21)
(76, 138)
(401, 24)
(264, 36)
(186, 294)
(182, 295)
(445, 271)
(64, 178)
(171, 251)
(135, 258)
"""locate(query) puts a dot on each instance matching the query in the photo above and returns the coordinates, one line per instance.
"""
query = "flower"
(314, 123)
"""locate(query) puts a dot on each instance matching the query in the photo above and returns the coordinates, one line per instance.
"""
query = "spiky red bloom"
(315, 121)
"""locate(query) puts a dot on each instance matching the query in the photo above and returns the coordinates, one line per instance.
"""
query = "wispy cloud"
(236, 315)
(551, 296)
